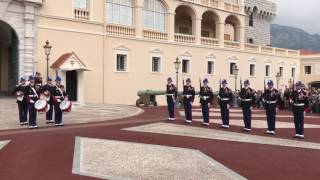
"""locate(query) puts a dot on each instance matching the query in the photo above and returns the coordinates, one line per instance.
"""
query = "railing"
(279, 51)
(232, 44)
(251, 47)
(293, 52)
(184, 38)
(209, 41)
(150, 34)
(81, 14)
(211, 3)
(267, 49)
(120, 30)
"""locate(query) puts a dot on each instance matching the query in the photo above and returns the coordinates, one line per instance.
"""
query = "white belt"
(169, 94)
(271, 102)
(224, 99)
(204, 97)
(247, 100)
(33, 96)
(187, 95)
(58, 96)
(302, 104)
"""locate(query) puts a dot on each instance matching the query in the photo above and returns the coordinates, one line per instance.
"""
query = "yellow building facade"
(118, 47)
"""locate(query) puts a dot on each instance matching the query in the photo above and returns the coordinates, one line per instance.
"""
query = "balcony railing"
(293, 52)
(232, 44)
(184, 38)
(209, 41)
(252, 47)
(120, 30)
(279, 51)
(150, 34)
(267, 49)
(218, 4)
(82, 14)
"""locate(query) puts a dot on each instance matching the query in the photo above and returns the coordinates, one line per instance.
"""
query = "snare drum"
(41, 105)
(65, 106)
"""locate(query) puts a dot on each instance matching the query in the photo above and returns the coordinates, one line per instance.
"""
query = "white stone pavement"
(80, 113)
(189, 131)
(109, 159)
(3, 144)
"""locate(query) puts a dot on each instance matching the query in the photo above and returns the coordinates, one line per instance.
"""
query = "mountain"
(294, 38)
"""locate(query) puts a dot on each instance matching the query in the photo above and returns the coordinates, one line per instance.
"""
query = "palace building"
(108, 50)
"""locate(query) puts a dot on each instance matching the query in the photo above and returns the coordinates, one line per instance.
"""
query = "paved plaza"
(124, 142)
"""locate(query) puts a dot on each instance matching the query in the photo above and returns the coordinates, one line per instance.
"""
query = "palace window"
(210, 67)
(156, 64)
(122, 63)
(154, 13)
(251, 20)
(81, 9)
(185, 66)
(120, 12)
(281, 71)
(267, 70)
(232, 66)
(252, 70)
(307, 69)
(293, 72)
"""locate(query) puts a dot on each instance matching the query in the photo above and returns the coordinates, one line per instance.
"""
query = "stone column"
(138, 19)
(241, 36)
(220, 33)
(171, 26)
(196, 29)
(30, 63)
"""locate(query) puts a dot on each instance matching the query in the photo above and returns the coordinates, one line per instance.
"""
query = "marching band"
(33, 97)
(247, 98)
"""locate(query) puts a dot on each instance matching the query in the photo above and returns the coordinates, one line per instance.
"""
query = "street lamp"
(278, 76)
(47, 50)
(235, 73)
(177, 67)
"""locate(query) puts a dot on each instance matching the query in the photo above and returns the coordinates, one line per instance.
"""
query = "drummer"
(59, 95)
(32, 97)
(47, 90)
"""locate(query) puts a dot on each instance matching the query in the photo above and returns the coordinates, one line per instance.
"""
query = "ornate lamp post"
(47, 49)
(235, 73)
(278, 76)
(177, 64)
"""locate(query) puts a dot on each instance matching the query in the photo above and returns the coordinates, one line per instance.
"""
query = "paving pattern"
(182, 130)
(136, 161)
(3, 144)
(81, 113)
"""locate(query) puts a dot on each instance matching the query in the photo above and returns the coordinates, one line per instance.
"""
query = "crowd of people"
(284, 99)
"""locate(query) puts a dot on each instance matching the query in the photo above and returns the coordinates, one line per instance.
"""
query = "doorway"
(72, 85)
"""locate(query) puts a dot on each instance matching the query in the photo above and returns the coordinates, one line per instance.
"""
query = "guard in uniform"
(225, 101)
(248, 98)
(206, 96)
(38, 81)
(171, 94)
(188, 98)
(299, 100)
(21, 91)
(59, 95)
(47, 90)
(271, 102)
(32, 96)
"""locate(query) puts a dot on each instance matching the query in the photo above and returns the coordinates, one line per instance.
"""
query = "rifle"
(200, 82)
(220, 84)
(240, 83)
(183, 82)
(293, 85)
(264, 85)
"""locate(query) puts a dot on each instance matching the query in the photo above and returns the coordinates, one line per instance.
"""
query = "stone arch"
(185, 16)
(232, 28)
(209, 22)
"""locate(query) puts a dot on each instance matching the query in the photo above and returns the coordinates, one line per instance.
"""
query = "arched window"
(251, 20)
(154, 13)
(120, 12)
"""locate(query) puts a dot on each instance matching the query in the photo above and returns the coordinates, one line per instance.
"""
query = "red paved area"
(47, 154)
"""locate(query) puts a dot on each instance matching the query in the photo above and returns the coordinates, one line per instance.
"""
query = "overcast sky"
(304, 14)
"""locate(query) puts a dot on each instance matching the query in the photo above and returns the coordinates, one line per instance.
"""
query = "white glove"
(228, 106)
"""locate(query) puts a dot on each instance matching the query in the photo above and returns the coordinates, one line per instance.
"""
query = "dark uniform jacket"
(171, 91)
(59, 93)
(248, 97)
(38, 83)
(299, 101)
(188, 93)
(225, 96)
(32, 94)
(50, 89)
(206, 95)
(271, 98)
(20, 89)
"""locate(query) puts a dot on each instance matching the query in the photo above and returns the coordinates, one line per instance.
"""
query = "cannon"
(148, 97)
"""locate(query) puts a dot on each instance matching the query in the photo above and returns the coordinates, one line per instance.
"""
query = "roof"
(63, 59)
(307, 52)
